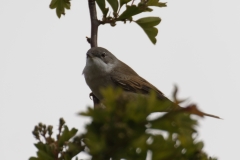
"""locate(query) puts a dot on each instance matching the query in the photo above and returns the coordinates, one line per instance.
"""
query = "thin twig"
(94, 32)
(94, 22)
(132, 2)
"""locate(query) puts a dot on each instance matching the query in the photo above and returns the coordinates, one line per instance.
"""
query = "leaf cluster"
(59, 148)
(147, 23)
(124, 129)
(121, 13)
(60, 6)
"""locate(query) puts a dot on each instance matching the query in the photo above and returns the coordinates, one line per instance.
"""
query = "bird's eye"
(103, 54)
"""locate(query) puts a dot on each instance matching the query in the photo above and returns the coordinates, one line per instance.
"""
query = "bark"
(94, 32)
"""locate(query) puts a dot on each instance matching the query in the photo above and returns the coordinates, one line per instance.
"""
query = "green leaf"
(175, 122)
(129, 12)
(102, 6)
(60, 6)
(147, 25)
(45, 148)
(53, 4)
(74, 149)
(148, 21)
(122, 2)
(44, 155)
(33, 158)
(199, 145)
(113, 4)
(166, 149)
(122, 131)
(67, 4)
(66, 135)
(156, 3)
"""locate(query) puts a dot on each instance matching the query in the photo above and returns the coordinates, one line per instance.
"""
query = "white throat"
(95, 73)
(96, 65)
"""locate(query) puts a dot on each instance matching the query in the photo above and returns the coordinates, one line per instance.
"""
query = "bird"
(103, 69)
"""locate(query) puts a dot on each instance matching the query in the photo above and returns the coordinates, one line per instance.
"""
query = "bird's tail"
(211, 115)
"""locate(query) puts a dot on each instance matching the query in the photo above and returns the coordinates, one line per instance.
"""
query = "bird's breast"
(96, 78)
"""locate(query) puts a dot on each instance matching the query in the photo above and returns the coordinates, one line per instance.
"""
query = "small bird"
(103, 69)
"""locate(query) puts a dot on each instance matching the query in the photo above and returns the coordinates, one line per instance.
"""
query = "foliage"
(125, 129)
(60, 6)
(122, 128)
(119, 14)
(60, 148)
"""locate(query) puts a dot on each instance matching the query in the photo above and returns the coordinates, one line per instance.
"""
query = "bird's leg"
(96, 101)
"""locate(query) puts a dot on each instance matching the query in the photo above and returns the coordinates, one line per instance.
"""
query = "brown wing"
(132, 82)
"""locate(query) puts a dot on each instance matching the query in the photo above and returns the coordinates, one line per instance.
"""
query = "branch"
(94, 22)
(94, 31)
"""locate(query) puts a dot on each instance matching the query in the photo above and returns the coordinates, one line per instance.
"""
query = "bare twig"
(132, 2)
(94, 31)
(94, 22)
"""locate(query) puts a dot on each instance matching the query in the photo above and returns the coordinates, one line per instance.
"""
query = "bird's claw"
(91, 95)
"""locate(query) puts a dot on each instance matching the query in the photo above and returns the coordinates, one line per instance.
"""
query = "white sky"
(42, 58)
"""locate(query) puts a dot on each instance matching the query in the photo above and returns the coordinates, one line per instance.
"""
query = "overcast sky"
(42, 58)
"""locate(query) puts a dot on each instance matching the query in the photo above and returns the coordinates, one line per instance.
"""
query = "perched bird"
(103, 69)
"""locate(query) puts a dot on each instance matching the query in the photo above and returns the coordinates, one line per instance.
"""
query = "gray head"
(101, 53)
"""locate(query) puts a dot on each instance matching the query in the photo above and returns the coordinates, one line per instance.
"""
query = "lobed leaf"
(114, 4)
(147, 24)
(129, 12)
(122, 2)
(44, 156)
(60, 6)
(102, 6)
(66, 135)
(44, 148)
(33, 158)
(156, 3)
